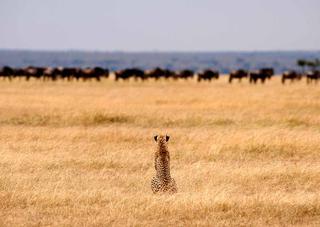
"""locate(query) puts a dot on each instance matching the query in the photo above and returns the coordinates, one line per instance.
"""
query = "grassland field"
(81, 153)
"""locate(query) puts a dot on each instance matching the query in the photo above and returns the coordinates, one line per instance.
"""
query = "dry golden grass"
(81, 154)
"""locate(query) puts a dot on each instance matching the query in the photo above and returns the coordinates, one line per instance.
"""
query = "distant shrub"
(66, 120)
(32, 120)
(222, 122)
(103, 118)
(294, 122)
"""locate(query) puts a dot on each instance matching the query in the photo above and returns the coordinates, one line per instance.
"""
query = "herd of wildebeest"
(97, 73)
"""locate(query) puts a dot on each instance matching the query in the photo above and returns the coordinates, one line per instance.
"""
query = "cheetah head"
(161, 139)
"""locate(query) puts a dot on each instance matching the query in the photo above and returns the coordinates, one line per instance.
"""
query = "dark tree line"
(312, 64)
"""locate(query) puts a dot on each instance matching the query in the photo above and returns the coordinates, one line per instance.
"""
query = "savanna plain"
(81, 153)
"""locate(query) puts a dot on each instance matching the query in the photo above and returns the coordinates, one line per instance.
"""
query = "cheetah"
(162, 182)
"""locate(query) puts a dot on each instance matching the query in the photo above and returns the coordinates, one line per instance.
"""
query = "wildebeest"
(33, 72)
(49, 73)
(313, 76)
(238, 74)
(128, 73)
(267, 71)
(184, 74)
(7, 72)
(290, 75)
(254, 76)
(19, 73)
(69, 73)
(169, 74)
(208, 74)
(156, 73)
(92, 73)
(106, 73)
(261, 74)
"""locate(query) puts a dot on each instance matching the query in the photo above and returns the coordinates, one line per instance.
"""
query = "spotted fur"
(162, 182)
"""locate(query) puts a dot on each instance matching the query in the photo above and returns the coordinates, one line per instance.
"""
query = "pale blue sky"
(161, 25)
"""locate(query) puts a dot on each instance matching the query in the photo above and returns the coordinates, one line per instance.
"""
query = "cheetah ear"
(167, 138)
(155, 138)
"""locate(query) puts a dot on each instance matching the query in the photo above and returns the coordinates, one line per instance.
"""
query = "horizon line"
(154, 51)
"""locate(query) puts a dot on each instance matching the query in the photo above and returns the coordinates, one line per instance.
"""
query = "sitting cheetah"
(162, 182)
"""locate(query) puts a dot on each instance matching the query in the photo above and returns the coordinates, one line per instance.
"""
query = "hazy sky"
(161, 25)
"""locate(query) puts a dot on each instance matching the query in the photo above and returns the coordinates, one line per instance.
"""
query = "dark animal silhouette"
(208, 75)
(254, 76)
(313, 76)
(156, 73)
(238, 74)
(7, 72)
(184, 74)
(130, 73)
(268, 71)
(33, 72)
(92, 73)
(169, 74)
(290, 75)
(261, 74)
